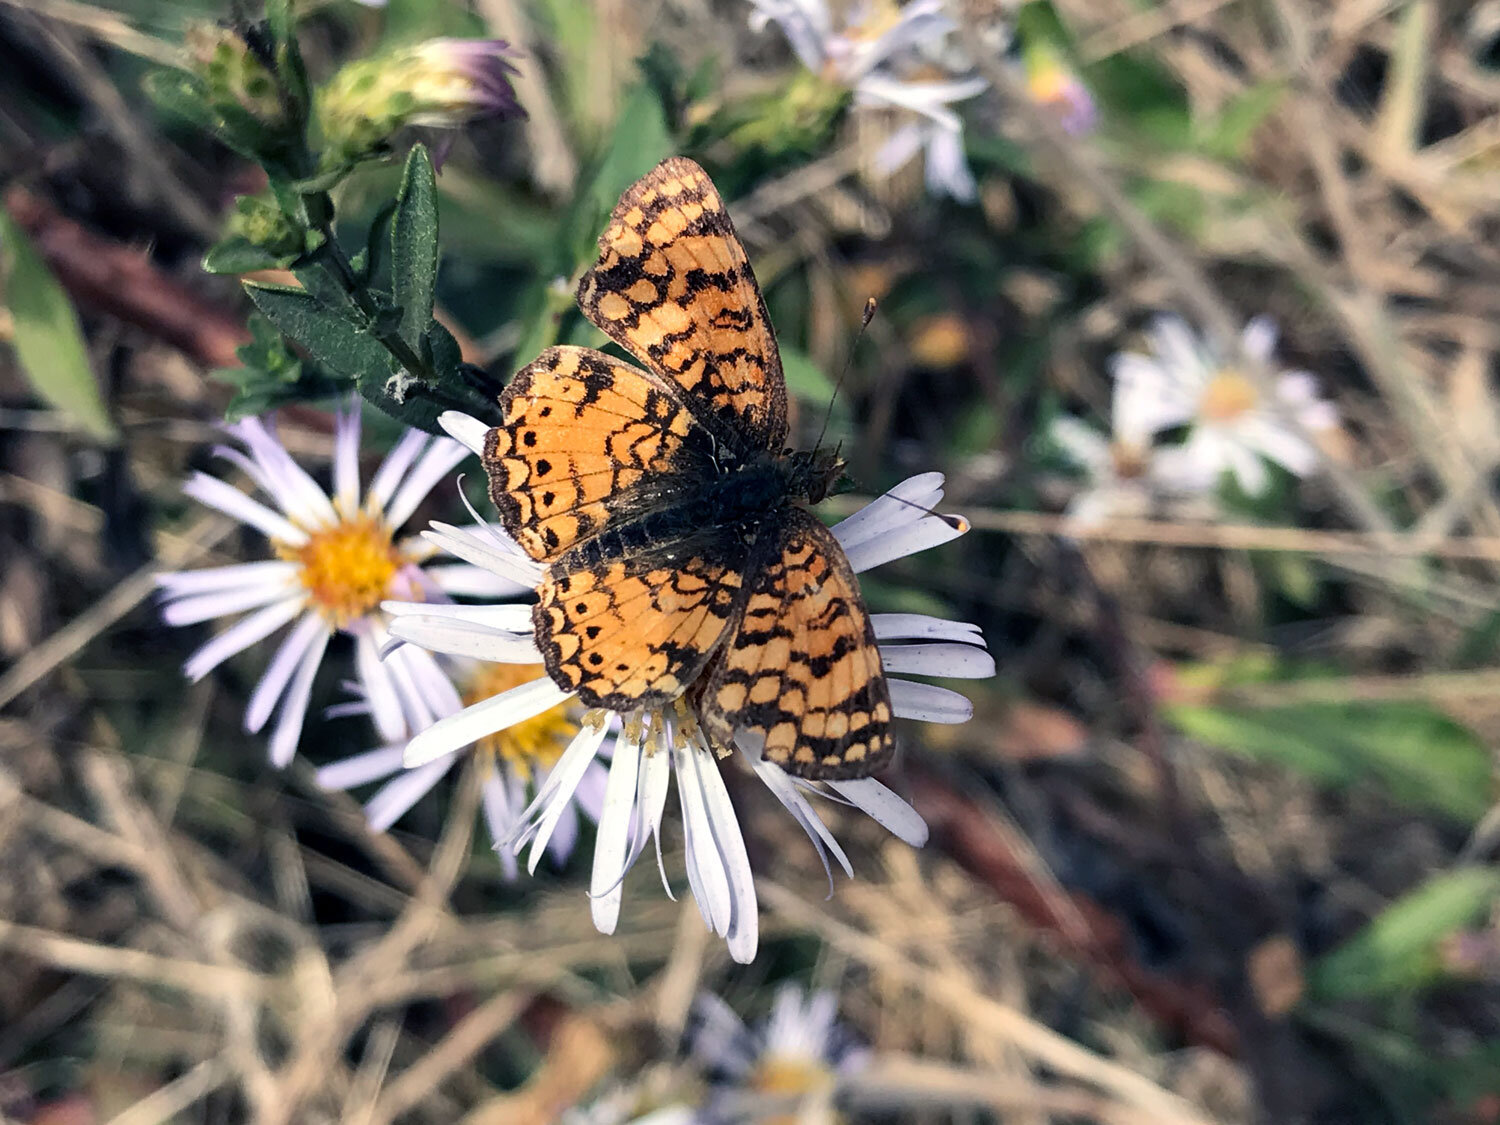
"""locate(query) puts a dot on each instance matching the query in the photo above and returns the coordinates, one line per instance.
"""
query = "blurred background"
(1219, 844)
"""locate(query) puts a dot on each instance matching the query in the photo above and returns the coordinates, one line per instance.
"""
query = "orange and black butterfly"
(681, 559)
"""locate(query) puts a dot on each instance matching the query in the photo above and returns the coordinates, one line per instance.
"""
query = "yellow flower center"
(782, 1076)
(346, 569)
(535, 744)
(1227, 396)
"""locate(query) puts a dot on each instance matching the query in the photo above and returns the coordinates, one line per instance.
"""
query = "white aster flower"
(657, 746)
(896, 57)
(336, 559)
(1126, 479)
(515, 761)
(799, 1050)
(1234, 427)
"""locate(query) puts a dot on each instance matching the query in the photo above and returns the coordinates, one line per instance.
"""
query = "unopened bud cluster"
(441, 83)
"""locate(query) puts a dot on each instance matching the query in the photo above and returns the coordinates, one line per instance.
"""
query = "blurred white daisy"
(656, 746)
(800, 1051)
(336, 559)
(515, 761)
(1234, 427)
(894, 56)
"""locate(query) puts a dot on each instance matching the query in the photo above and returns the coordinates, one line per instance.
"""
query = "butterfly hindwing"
(802, 669)
(628, 633)
(673, 286)
(582, 437)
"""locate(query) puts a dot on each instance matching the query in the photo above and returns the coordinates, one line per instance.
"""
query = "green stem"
(320, 214)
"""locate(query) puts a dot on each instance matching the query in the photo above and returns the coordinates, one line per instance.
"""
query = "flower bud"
(440, 83)
(1052, 83)
(236, 69)
(260, 222)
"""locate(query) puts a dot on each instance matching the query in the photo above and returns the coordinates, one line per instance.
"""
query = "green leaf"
(1421, 756)
(414, 245)
(342, 347)
(1399, 949)
(46, 335)
(804, 378)
(237, 254)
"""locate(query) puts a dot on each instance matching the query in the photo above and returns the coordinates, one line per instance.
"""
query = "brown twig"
(108, 277)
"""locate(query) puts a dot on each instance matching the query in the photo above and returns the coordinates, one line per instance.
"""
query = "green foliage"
(1419, 755)
(47, 338)
(271, 375)
(414, 245)
(1399, 950)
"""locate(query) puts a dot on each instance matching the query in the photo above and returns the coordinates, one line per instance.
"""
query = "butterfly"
(681, 560)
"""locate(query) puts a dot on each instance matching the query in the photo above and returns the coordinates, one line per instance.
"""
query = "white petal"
(612, 845)
(461, 427)
(240, 636)
(465, 581)
(589, 796)
(1183, 354)
(557, 792)
(1259, 338)
(393, 469)
(224, 603)
(288, 730)
(485, 553)
(232, 502)
(283, 665)
(439, 460)
(385, 707)
(947, 171)
(706, 874)
(780, 783)
(884, 807)
(908, 540)
(1276, 441)
(651, 801)
(928, 702)
(359, 769)
(499, 815)
(565, 835)
(299, 496)
(511, 617)
(1246, 465)
(425, 688)
(346, 460)
(953, 661)
(919, 626)
(903, 144)
(462, 638)
(482, 718)
(1083, 445)
(399, 795)
(743, 934)
(272, 572)
(909, 501)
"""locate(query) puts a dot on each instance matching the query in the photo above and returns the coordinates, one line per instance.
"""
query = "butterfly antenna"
(864, 323)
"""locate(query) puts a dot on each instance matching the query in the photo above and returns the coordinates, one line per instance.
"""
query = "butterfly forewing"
(673, 286)
(802, 669)
(583, 437)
